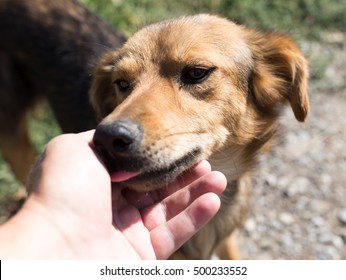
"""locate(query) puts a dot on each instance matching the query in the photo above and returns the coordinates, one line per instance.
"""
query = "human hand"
(74, 207)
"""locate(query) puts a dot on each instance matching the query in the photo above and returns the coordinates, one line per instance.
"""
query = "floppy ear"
(101, 93)
(280, 74)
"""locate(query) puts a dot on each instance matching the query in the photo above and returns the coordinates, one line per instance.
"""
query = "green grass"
(42, 127)
(304, 18)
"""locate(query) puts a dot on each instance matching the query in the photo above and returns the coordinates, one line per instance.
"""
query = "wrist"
(32, 234)
(39, 231)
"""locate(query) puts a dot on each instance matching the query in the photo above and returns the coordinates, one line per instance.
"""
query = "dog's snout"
(118, 138)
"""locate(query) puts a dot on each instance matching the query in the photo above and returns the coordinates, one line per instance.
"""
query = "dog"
(197, 87)
(47, 49)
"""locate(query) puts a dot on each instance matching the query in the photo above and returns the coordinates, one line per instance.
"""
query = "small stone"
(332, 253)
(302, 203)
(338, 242)
(342, 216)
(325, 180)
(299, 185)
(282, 182)
(266, 244)
(286, 218)
(287, 241)
(318, 221)
(271, 180)
(326, 238)
(250, 225)
(275, 224)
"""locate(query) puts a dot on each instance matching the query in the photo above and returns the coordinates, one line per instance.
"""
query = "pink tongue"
(121, 176)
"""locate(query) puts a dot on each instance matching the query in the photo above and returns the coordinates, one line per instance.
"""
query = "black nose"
(119, 138)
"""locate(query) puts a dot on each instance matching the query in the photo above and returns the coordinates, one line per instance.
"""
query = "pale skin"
(73, 212)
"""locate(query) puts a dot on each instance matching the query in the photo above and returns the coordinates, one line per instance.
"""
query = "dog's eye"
(195, 75)
(123, 85)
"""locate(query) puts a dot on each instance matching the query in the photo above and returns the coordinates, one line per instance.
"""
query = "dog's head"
(186, 89)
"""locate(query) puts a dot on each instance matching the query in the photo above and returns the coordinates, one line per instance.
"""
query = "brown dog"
(47, 49)
(193, 88)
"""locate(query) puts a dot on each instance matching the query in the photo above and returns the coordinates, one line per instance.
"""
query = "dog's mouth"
(143, 174)
(186, 161)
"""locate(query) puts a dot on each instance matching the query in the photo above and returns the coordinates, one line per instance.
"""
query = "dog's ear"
(101, 92)
(280, 74)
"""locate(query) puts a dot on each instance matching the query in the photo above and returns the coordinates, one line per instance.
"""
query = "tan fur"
(228, 118)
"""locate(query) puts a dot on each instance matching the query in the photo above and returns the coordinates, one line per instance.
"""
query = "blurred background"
(299, 194)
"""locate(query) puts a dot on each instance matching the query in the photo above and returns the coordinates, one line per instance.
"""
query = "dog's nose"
(118, 138)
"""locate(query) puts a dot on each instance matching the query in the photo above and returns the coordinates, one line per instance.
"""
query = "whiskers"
(183, 138)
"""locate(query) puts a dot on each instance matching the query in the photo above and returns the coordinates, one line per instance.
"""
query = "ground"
(298, 199)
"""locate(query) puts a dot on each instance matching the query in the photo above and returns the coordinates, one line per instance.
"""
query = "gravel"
(298, 198)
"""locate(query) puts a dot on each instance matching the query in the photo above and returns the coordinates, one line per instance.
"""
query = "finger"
(142, 200)
(128, 221)
(186, 178)
(153, 216)
(87, 135)
(168, 237)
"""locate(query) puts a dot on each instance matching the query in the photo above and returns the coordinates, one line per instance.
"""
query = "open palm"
(97, 220)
